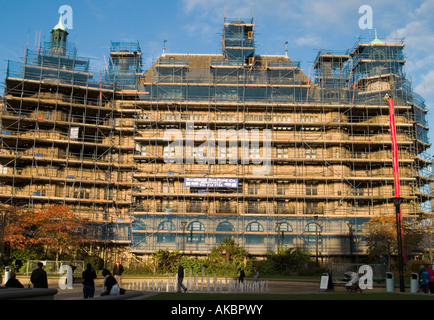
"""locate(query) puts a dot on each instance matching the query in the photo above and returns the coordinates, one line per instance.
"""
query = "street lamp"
(183, 223)
(316, 238)
(278, 224)
(350, 228)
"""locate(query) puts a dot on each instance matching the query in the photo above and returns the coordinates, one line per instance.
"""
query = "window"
(166, 237)
(282, 188)
(196, 206)
(313, 208)
(168, 187)
(252, 207)
(284, 227)
(311, 189)
(315, 234)
(138, 225)
(140, 150)
(254, 238)
(200, 151)
(225, 226)
(313, 227)
(359, 191)
(196, 230)
(254, 152)
(167, 205)
(169, 151)
(308, 118)
(226, 152)
(3, 169)
(254, 187)
(282, 118)
(254, 227)
(310, 153)
(284, 208)
(282, 152)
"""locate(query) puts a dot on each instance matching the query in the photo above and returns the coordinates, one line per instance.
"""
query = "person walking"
(39, 277)
(242, 275)
(255, 275)
(89, 275)
(118, 269)
(424, 278)
(181, 278)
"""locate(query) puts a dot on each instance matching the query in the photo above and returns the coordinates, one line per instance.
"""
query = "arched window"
(195, 232)
(313, 234)
(254, 238)
(313, 227)
(254, 227)
(284, 227)
(166, 237)
(281, 233)
(224, 226)
(138, 225)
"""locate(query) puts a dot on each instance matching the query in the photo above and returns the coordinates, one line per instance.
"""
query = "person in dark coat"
(118, 269)
(181, 278)
(13, 282)
(88, 282)
(109, 282)
(39, 277)
(242, 276)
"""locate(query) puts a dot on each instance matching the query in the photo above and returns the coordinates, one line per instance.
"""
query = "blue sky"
(195, 26)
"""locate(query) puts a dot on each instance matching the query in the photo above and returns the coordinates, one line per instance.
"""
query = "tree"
(228, 251)
(54, 229)
(165, 261)
(382, 238)
(288, 261)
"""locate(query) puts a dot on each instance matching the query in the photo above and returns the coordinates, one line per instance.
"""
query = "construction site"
(202, 147)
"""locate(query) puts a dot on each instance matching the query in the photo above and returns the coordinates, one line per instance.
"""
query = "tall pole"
(278, 224)
(402, 252)
(316, 239)
(183, 235)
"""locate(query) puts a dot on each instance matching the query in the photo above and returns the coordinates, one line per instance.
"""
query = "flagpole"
(402, 252)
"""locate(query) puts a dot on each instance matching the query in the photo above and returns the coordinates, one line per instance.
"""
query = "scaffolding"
(200, 147)
(61, 141)
(331, 165)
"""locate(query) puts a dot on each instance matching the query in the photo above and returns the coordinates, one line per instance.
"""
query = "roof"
(60, 25)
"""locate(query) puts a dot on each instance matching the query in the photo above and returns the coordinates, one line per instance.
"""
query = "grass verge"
(274, 297)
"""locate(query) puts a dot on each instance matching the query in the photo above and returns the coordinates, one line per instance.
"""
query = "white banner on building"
(210, 182)
(73, 134)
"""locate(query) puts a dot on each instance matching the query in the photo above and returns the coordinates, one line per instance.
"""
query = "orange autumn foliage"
(55, 227)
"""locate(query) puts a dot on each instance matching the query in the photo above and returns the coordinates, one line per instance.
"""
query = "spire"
(58, 38)
(60, 25)
(376, 40)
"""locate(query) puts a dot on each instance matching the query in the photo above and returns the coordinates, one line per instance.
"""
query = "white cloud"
(311, 41)
(426, 88)
(418, 34)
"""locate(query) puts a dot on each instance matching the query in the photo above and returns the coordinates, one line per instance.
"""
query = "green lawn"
(315, 296)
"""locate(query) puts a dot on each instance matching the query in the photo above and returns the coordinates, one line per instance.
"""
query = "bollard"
(414, 283)
(7, 274)
(390, 283)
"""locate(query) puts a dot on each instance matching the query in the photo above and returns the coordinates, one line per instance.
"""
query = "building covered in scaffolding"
(202, 147)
